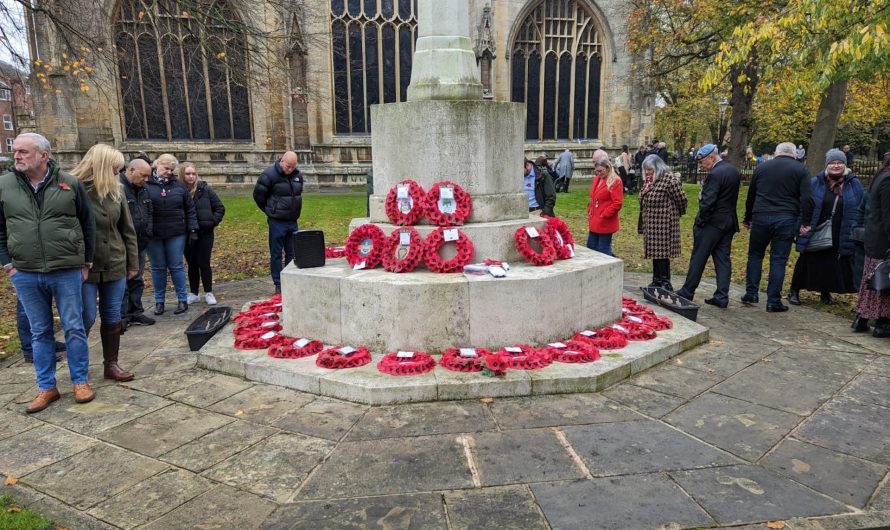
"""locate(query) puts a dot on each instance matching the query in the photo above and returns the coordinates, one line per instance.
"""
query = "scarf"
(835, 184)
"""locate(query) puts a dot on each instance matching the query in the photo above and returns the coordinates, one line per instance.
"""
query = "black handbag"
(822, 238)
(880, 281)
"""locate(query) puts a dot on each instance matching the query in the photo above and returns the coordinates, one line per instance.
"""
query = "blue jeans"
(37, 291)
(167, 254)
(280, 240)
(778, 232)
(600, 243)
(24, 328)
(109, 294)
(131, 305)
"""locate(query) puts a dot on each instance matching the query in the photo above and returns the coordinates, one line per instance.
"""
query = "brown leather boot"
(83, 393)
(42, 400)
(111, 344)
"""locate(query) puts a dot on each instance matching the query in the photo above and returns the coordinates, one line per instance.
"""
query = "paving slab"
(14, 423)
(112, 406)
(675, 380)
(854, 521)
(420, 419)
(151, 498)
(641, 447)
(633, 502)
(513, 457)
(380, 467)
(716, 361)
(511, 507)
(35, 448)
(746, 494)
(870, 388)
(810, 339)
(92, 476)
(850, 427)
(845, 478)
(159, 432)
(157, 363)
(423, 511)
(218, 445)
(211, 390)
(880, 365)
(648, 402)
(262, 403)
(550, 411)
(221, 508)
(324, 418)
(273, 468)
(164, 384)
(741, 428)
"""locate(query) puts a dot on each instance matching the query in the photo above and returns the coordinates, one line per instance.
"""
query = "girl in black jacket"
(210, 212)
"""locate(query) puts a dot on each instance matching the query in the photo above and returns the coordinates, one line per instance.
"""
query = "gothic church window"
(182, 75)
(372, 46)
(556, 58)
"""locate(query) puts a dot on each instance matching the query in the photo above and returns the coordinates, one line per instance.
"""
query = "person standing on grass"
(279, 194)
(606, 199)
(37, 198)
(210, 212)
(142, 213)
(116, 256)
(662, 203)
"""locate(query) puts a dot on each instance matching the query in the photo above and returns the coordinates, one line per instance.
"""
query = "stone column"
(444, 63)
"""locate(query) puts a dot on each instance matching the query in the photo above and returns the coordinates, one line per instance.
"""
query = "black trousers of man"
(716, 243)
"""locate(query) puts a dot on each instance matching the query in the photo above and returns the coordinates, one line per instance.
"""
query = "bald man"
(141, 210)
(279, 194)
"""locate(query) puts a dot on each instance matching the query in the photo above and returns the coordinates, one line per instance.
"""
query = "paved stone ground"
(778, 417)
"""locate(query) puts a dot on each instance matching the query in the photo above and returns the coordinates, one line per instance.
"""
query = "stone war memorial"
(447, 137)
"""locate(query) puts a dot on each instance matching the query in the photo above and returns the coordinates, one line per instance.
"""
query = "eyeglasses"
(837, 163)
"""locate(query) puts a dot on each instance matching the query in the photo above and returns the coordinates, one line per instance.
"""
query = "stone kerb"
(476, 144)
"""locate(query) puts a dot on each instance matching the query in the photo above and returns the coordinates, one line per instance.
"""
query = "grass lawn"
(241, 249)
(13, 517)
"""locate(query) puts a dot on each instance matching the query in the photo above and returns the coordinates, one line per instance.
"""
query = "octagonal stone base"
(425, 311)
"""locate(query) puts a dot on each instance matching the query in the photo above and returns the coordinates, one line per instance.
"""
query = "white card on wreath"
(346, 350)
(359, 266)
(401, 191)
(557, 345)
(619, 328)
(405, 238)
(301, 343)
(269, 324)
(269, 335)
(451, 234)
(513, 349)
(405, 355)
(468, 352)
(446, 192)
(632, 318)
(588, 333)
(531, 231)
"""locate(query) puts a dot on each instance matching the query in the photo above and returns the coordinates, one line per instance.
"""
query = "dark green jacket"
(49, 230)
(545, 192)
(116, 248)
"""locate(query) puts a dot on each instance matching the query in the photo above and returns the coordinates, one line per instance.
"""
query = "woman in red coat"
(606, 198)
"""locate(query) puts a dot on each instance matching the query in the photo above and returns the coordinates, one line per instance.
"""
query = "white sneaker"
(209, 299)
(192, 298)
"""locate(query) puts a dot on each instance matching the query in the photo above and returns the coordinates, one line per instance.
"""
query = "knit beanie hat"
(835, 155)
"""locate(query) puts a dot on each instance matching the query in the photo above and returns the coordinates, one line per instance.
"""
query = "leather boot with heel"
(111, 344)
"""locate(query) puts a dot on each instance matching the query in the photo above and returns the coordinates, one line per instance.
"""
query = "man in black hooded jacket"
(279, 193)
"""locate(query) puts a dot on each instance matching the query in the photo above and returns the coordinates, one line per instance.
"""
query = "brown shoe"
(83, 394)
(42, 400)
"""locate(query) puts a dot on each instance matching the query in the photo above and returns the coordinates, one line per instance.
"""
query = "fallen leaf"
(487, 400)
(13, 510)
(10, 481)
(239, 413)
(5, 337)
(767, 360)
(776, 525)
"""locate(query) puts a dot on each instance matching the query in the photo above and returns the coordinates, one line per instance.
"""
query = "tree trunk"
(741, 120)
(825, 129)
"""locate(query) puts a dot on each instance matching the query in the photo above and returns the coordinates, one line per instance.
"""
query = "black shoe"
(825, 298)
(794, 298)
(781, 308)
(141, 320)
(181, 307)
(859, 325)
(159, 308)
(61, 346)
(60, 354)
(881, 332)
(750, 299)
(716, 303)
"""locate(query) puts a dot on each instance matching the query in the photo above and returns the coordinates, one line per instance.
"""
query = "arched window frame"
(210, 56)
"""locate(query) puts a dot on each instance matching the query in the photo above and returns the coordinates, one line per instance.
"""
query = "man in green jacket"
(47, 237)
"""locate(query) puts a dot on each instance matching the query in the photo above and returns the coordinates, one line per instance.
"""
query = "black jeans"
(197, 255)
(715, 243)
(131, 305)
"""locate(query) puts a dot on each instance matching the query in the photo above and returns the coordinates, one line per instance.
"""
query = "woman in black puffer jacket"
(174, 222)
(210, 212)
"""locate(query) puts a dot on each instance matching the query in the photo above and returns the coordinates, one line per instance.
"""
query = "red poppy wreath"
(525, 357)
(405, 203)
(464, 359)
(406, 363)
(523, 238)
(561, 236)
(364, 247)
(573, 351)
(433, 244)
(447, 211)
(401, 257)
(343, 357)
(296, 349)
(604, 339)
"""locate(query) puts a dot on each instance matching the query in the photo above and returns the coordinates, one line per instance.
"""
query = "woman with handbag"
(826, 252)
(875, 304)
(662, 203)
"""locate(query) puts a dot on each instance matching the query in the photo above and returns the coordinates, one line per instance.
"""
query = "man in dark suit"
(715, 225)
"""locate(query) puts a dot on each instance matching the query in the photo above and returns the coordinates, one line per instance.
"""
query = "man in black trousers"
(715, 225)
